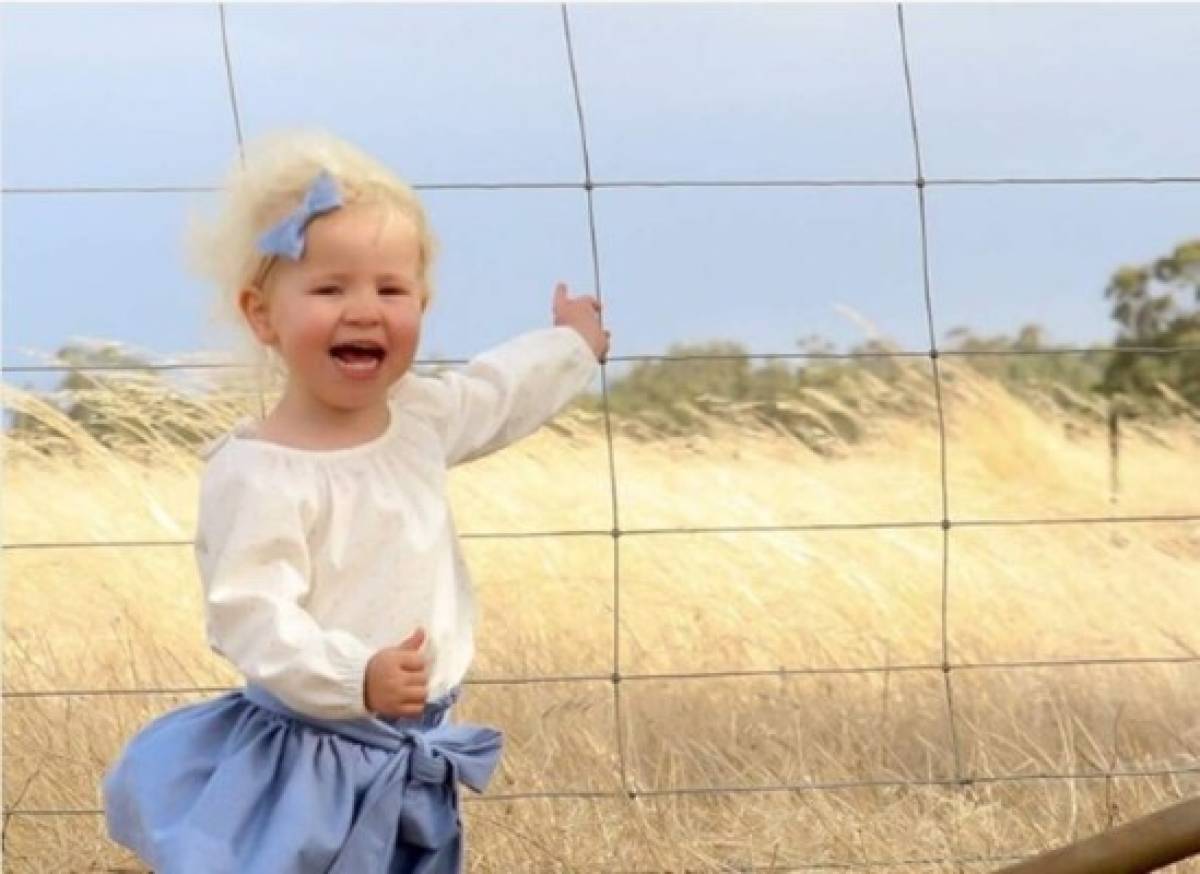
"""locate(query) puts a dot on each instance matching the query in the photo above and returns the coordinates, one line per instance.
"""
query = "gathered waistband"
(372, 730)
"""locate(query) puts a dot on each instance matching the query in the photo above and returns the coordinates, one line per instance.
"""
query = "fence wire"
(947, 666)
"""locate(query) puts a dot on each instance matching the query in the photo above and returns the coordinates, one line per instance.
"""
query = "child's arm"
(509, 391)
(253, 559)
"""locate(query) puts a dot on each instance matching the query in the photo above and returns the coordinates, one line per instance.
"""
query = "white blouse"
(313, 560)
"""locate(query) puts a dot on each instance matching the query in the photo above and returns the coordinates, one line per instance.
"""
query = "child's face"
(358, 280)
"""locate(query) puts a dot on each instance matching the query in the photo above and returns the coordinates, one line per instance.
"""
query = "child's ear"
(255, 307)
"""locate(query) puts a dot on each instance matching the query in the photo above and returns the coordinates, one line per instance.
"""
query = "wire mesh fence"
(947, 669)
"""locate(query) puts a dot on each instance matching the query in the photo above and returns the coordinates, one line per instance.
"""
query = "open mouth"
(359, 358)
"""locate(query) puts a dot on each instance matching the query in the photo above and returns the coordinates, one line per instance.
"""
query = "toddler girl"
(332, 574)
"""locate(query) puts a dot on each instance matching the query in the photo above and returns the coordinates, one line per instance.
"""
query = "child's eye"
(324, 289)
(391, 289)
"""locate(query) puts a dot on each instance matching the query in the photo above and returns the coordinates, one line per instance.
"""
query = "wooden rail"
(1144, 844)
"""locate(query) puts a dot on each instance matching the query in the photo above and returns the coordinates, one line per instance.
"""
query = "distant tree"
(90, 389)
(80, 394)
(115, 396)
(671, 388)
(1157, 305)
(1080, 373)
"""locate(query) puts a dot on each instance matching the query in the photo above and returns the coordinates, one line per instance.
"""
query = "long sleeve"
(254, 564)
(509, 391)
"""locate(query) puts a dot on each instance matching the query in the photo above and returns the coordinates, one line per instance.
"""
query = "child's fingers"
(412, 662)
(414, 640)
(406, 706)
(409, 658)
(415, 691)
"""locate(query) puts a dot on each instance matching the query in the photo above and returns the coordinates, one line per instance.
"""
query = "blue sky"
(135, 95)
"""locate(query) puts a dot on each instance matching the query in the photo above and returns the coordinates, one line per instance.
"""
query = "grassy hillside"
(694, 602)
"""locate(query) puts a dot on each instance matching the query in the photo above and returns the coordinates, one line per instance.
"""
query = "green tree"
(118, 399)
(1156, 305)
(1079, 373)
(672, 389)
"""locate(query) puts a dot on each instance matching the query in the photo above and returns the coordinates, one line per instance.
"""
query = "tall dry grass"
(879, 746)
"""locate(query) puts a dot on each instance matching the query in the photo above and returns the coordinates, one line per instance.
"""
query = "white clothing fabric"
(313, 560)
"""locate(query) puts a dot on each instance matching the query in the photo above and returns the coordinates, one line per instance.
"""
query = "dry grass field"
(873, 754)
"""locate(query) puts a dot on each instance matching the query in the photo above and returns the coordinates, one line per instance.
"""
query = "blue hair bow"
(287, 237)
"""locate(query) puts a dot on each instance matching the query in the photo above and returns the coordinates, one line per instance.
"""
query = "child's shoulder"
(235, 458)
(416, 393)
(424, 399)
(236, 479)
(210, 450)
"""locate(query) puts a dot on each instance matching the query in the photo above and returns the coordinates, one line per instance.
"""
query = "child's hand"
(582, 314)
(396, 681)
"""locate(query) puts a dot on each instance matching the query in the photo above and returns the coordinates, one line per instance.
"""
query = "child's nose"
(361, 316)
(361, 308)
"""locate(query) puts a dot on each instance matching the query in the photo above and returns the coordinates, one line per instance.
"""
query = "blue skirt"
(242, 784)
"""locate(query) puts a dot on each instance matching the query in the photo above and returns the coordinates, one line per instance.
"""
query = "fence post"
(1114, 453)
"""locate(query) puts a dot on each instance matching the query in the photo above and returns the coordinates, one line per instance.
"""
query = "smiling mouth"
(358, 360)
(358, 353)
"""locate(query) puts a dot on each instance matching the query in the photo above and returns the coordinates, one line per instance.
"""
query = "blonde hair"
(266, 185)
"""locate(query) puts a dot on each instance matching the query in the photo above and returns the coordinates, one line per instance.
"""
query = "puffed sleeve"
(510, 390)
(254, 564)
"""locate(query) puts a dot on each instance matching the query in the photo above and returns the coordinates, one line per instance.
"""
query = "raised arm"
(253, 558)
(509, 391)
